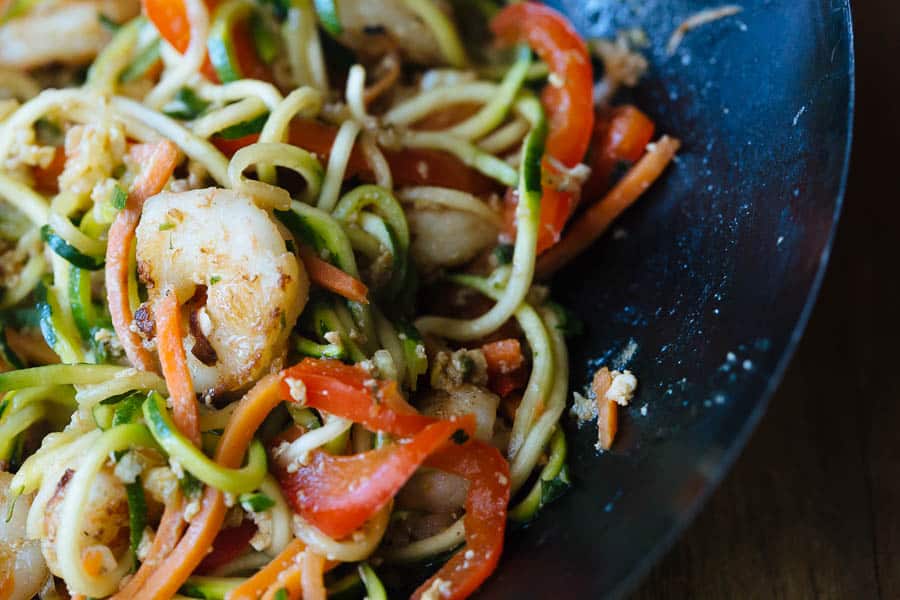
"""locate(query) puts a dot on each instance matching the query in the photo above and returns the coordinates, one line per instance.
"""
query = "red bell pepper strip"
(620, 135)
(568, 100)
(338, 494)
(350, 392)
(485, 520)
(228, 545)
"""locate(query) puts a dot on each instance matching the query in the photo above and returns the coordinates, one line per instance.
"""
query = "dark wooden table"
(812, 508)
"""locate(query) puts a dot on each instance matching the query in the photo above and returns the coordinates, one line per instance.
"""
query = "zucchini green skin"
(255, 502)
(220, 44)
(327, 11)
(61, 374)
(319, 230)
(264, 40)
(137, 513)
(141, 63)
(532, 155)
(324, 319)
(551, 484)
(234, 481)
(69, 252)
(210, 588)
(307, 347)
(416, 360)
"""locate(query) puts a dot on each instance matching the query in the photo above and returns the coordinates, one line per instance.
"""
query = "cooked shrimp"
(22, 568)
(374, 29)
(447, 238)
(67, 32)
(464, 400)
(228, 261)
(105, 517)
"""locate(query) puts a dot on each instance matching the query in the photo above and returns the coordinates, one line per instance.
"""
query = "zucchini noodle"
(542, 429)
(444, 31)
(214, 122)
(22, 197)
(377, 162)
(239, 90)
(356, 88)
(280, 513)
(337, 165)
(429, 547)
(303, 102)
(333, 429)
(452, 199)
(104, 73)
(283, 155)
(304, 49)
(356, 547)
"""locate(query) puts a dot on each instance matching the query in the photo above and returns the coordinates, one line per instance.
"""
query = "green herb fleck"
(166, 226)
(504, 253)
(214, 280)
(119, 197)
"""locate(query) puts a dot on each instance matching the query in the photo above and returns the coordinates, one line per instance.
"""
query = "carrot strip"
(598, 217)
(326, 275)
(160, 160)
(312, 570)
(174, 366)
(246, 419)
(168, 533)
(268, 577)
(607, 410)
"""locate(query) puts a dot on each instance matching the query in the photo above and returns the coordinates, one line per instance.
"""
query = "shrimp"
(105, 517)
(22, 567)
(447, 238)
(227, 259)
(67, 32)
(375, 29)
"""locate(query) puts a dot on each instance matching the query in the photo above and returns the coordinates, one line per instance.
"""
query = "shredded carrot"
(598, 217)
(160, 160)
(268, 577)
(178, 566)
(174, 366)
(312, 570)
(75, 597)
(92, 561)
(168, 533)
(390, 67)
(333, 279)
(607, 410)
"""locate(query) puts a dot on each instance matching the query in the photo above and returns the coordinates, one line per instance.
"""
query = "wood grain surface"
(812, 508)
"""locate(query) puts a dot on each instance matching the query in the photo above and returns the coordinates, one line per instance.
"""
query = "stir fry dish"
(274, 320)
